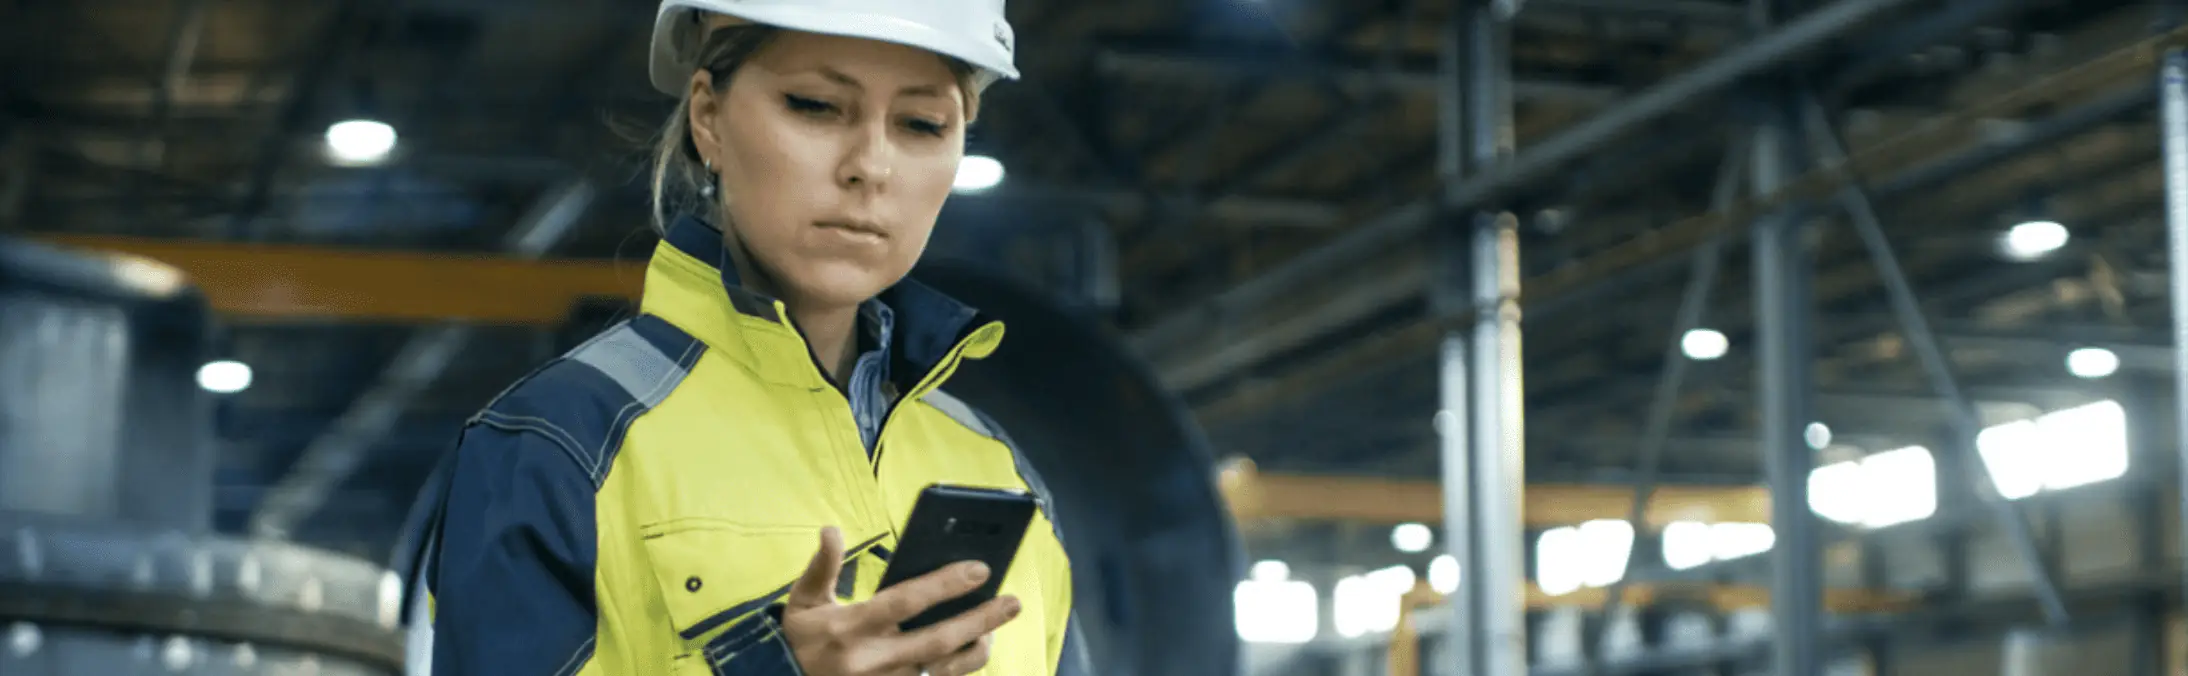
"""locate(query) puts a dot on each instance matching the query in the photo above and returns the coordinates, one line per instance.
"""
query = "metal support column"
(1663, 403)
(1483, 456)
(1965, 423)
(1782, 299)
(2173, 103)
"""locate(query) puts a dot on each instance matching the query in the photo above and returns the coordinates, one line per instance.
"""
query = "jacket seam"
(577, 659)
(569, 449)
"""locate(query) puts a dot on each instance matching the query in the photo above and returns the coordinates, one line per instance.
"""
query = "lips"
(854, 227)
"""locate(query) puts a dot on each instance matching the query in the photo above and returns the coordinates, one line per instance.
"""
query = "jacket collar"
(692, 284)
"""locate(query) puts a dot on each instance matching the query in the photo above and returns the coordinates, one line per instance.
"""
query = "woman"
(649, 503)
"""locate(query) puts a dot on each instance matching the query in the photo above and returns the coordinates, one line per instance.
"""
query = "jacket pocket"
(716, 574)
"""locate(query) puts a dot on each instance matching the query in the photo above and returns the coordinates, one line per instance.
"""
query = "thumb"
(817, 587)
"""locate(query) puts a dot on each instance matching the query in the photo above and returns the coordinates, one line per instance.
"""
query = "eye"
(806, 106)
(925, 126)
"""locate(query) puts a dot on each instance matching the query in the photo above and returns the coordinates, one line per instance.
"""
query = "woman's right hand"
(862, 639)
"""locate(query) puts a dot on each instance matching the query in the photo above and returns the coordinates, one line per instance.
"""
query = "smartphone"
(958, 523)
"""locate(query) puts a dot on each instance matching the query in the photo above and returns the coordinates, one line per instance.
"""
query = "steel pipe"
(1929, 350)
(2173, 106)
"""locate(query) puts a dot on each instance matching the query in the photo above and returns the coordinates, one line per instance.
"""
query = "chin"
(835, 284)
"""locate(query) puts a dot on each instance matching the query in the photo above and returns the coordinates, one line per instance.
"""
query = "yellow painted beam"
(267, 282)
(272, 283)
(1254, 495)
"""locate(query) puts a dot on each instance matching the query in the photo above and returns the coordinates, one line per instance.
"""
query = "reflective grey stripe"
(647, 374)
(976, 421)
(961, 412)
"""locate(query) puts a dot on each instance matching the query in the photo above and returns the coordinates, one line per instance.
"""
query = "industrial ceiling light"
(224, 376)
(1271, 570)
(977, 173)
(1704, 344)
(1412, 538)
(1443, 574)
(360, 142)
(2030, 240)
(2092, 362)
(1818, 435)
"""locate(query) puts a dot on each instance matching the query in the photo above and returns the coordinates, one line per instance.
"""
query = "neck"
(832, 335)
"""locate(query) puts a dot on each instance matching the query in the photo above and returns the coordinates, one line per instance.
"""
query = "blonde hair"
(680, 175)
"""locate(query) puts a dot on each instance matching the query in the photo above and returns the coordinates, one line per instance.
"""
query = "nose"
(869, 162)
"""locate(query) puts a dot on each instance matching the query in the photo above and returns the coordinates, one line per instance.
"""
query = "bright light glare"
(360, 142)
(1703, 344)
(1691, 543)
(2092, 362)
(976, 173)
(1818, 435)
(1412, 538)
(1283, 611)
(2061, 449)
(224, 377)
(2032, 239)
(1443, 574)
(1369, 602)
(1883, 489)
(1592, 554)
(1271, 571)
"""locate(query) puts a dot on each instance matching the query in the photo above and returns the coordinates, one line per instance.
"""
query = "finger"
(817, 587)
(900, 602)
(963, 662)
(932, 644)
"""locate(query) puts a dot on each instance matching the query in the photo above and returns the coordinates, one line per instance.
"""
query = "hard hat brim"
(671, 75)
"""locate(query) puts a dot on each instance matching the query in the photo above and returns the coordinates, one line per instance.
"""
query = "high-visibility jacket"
(642, 504)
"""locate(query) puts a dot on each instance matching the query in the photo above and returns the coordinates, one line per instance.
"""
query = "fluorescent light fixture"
(1412, 538)
(359, 142)
(1704, 344)
(2092, 362)
(977, 173)
(2031, 240)
(224, 377)
(1271, 571)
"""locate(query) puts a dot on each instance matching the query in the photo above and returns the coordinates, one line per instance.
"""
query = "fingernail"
(976, 572)
(1012, 606)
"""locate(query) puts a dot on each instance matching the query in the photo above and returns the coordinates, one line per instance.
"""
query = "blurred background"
(1962, 455)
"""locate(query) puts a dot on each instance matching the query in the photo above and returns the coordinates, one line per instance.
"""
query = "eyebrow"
(839, 77)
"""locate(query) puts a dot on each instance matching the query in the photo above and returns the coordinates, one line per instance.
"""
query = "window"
(2061, 449)
(1691, 543)
(1369, 602)
(1883, 489)
(1592, 554)
(1273, 609)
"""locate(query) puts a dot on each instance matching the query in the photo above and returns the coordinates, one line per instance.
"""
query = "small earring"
(707, 190)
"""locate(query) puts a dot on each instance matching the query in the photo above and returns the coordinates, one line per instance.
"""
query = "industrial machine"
(108, 562)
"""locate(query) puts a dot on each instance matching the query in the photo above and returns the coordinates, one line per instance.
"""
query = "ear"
(706, 107)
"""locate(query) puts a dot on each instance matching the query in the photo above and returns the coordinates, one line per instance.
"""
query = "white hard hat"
(973, 31)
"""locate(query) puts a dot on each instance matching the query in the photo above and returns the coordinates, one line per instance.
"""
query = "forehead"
(872, 62)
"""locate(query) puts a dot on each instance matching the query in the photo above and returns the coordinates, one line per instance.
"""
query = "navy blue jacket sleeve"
(513, 575)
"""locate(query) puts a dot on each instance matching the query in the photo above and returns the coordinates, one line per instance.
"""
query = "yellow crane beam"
(274, 283)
